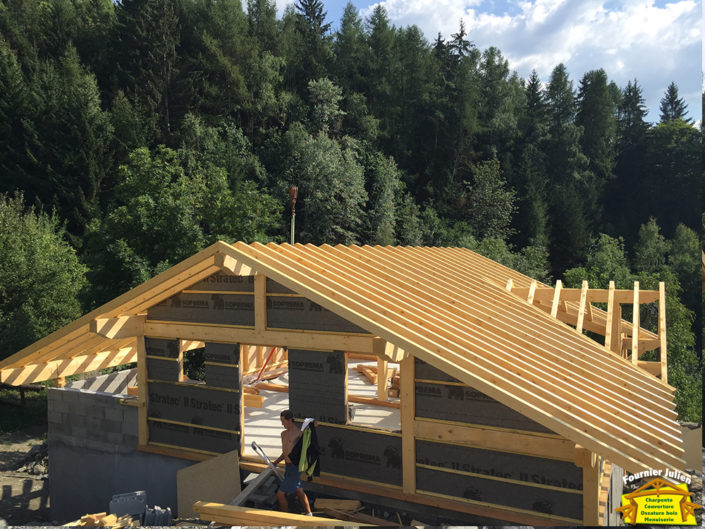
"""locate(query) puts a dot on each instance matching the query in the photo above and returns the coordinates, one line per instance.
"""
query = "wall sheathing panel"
(502, 494)
(502, 478)
(224, 282)
(221, 365)
(197, 416)
(290, 311)
(359, 453)
(222, 308)
(317, 385)
(439, 396)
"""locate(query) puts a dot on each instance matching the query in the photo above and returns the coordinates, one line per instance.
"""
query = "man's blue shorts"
(292, 479)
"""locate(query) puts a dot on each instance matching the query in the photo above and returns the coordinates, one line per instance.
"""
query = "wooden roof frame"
(446, 306)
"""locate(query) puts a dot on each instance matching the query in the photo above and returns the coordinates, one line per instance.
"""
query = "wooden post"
(556, 298)
(182, 375)
(260, 302)
(613, 327)
(382, 379)
(408, 415)
(635, 325)
(662, 330)
(245, 358)
(59, 382)
(260, 357)
(590, 465)
(610, 316)
(142, 426)
(581, 308)
(241, 398)
(532, 291)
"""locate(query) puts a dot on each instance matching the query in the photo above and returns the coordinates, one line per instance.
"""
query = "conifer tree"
(673, 107)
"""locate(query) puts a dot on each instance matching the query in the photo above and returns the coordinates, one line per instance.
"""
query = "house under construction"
(508, 409)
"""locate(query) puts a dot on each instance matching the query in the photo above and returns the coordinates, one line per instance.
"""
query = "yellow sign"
(659, 502)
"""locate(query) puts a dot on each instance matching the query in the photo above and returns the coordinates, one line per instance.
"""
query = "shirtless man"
(292, 480)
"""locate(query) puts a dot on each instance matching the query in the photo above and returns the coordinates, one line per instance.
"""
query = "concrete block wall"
(93, 454)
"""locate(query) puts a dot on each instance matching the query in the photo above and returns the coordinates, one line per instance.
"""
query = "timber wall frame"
(447, 307)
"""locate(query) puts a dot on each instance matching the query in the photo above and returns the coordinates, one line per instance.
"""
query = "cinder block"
(112, 427)
(94, 423)
(129, 427)
(114, 414)
(130, 441)
(114, 437)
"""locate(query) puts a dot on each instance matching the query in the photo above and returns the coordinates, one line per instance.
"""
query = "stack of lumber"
(235, 515)
(102, 519)
(394, 386)
(370, 372)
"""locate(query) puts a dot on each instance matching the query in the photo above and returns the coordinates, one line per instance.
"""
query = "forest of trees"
(133, 134)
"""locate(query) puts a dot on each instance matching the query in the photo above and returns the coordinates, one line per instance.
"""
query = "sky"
(655, 42)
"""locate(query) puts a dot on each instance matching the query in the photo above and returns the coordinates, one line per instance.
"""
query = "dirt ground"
(24, 499)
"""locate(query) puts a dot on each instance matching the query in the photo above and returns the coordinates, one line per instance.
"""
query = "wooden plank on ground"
(359, 518)
(335, 503)
(236, 515)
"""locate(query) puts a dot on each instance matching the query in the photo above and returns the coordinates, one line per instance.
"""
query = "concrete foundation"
(92, 441)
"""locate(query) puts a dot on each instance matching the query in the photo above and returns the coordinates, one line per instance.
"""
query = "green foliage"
(13, 417)
(331, 186)
(385, 186)
(607, 261)
(491, 205)
(169, 206)
(673, 107)
(325, 100)
(41, 277)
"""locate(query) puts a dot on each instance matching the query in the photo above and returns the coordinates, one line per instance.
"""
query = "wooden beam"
(32, 373)
(650, 367)
(581, 307)
(247, 516)
(245, 358)
(493, 439)
(662, 331)
(373, 402)
(167, 289)
(635, 325)
(407, 414)
(589, 462)
(180, 359)
(260, 302)
(556, 298)
(531, 293)
(230, 334)
(595, 295)
(229, 263)
(609, 327)
(142, 425)
(120, 327)
(382, 380)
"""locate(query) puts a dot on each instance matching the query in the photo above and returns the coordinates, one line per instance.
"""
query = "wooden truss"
(574, 306)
